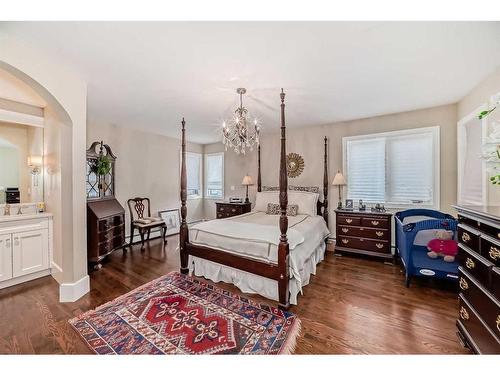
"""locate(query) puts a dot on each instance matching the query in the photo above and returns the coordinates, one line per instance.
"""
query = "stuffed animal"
(443, 246)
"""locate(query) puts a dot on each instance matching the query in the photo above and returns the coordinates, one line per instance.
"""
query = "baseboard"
(71, 292)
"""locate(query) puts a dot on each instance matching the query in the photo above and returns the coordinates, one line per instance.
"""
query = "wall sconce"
(35, 163)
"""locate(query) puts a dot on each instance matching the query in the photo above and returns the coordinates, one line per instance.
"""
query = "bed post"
(283, 247)
(259, 179)
(183, 232)
(325, 184)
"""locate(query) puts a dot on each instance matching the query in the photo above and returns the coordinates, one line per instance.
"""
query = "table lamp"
(339, 181)
(247, 181)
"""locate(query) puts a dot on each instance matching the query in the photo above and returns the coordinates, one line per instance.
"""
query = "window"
(193, 170)
(398, 168)
(214, 175)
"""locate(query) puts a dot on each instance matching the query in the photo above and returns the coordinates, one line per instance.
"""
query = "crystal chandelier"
(241, 131)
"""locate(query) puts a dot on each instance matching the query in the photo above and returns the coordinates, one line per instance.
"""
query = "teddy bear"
(443, 246)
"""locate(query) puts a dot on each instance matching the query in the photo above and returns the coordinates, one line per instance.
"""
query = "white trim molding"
(74, 291)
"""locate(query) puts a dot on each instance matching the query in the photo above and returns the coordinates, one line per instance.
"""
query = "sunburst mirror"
(294, 164)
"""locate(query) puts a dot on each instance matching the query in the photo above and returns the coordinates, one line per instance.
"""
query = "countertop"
(7, 218)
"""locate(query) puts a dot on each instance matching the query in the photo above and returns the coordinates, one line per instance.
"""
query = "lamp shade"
(339, 179)
(247, 180)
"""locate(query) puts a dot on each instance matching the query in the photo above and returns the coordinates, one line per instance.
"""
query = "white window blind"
(193, 170)
(214, 172)
(397, 168)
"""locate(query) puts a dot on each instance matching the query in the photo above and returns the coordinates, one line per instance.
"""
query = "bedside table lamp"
(339, 181)
(247, 181)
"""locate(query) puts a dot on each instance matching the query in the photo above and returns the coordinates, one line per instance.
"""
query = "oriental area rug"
(177, 314)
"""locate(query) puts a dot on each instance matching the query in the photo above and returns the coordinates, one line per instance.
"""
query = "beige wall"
(147, 165)
(478, 96)
(65, 94)
(308, 142)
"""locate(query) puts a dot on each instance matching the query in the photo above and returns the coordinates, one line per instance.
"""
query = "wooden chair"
(137, 207)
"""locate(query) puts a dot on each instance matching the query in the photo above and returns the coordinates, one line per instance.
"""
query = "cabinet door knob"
(464, 314)
(465, 237)
(469, 263)
(463, 284)
(375, 222)
(494, 253)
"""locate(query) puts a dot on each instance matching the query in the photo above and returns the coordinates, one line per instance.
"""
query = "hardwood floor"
(352, 306)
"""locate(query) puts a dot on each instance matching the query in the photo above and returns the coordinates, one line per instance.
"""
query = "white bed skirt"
(250, 283)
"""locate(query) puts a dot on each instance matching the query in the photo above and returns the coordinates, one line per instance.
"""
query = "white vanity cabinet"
(25, 248)
(5, 257)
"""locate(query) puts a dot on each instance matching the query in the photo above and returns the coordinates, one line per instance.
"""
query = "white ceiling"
(149, 75)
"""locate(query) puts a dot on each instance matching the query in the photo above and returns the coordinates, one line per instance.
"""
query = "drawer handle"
(222, 208)
(345, 241)
(379, 245)
(463, 284)
(345, 230)
(465, 237)
(464, 314)
(380, 234)
(375, 222)
(233, 210)
(469, 263)
(498, 322)
(348, 221)
(494, 253)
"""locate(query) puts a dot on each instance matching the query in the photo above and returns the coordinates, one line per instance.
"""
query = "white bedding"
(256, 235)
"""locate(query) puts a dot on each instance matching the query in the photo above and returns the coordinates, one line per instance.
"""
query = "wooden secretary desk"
(105, 215)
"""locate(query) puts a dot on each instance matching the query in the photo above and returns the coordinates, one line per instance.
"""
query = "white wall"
(147, 165)
(65, 94)
(308, 142)
(480, 95)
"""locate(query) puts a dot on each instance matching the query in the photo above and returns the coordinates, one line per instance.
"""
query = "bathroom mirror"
(21, 163)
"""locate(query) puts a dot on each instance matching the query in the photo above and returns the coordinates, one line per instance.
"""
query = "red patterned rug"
(177, 314)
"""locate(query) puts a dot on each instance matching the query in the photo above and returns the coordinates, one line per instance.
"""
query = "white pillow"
(265, 197)
(306, 201)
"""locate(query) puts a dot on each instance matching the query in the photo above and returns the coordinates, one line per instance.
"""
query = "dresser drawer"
(110, 233)
(475, 265)
(229, 209)
(490, 250)
(469, 222)
(484, 340)
(381, 234)
(110, 222)
(348, 220)
(468, 238)
(364, 244)
(375, 222)
(481, 300)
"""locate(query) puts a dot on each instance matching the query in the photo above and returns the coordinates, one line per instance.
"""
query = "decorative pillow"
(274, 209)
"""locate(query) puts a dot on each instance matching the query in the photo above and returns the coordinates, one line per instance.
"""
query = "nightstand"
(226, 209)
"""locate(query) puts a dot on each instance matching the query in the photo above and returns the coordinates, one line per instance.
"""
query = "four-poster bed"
(274, 265)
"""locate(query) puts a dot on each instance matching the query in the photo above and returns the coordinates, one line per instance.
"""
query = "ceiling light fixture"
(242, 131)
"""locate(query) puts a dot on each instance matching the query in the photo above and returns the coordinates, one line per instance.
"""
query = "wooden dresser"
(105, 228)
(478, 320)
(226, 209)
(363, 232)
